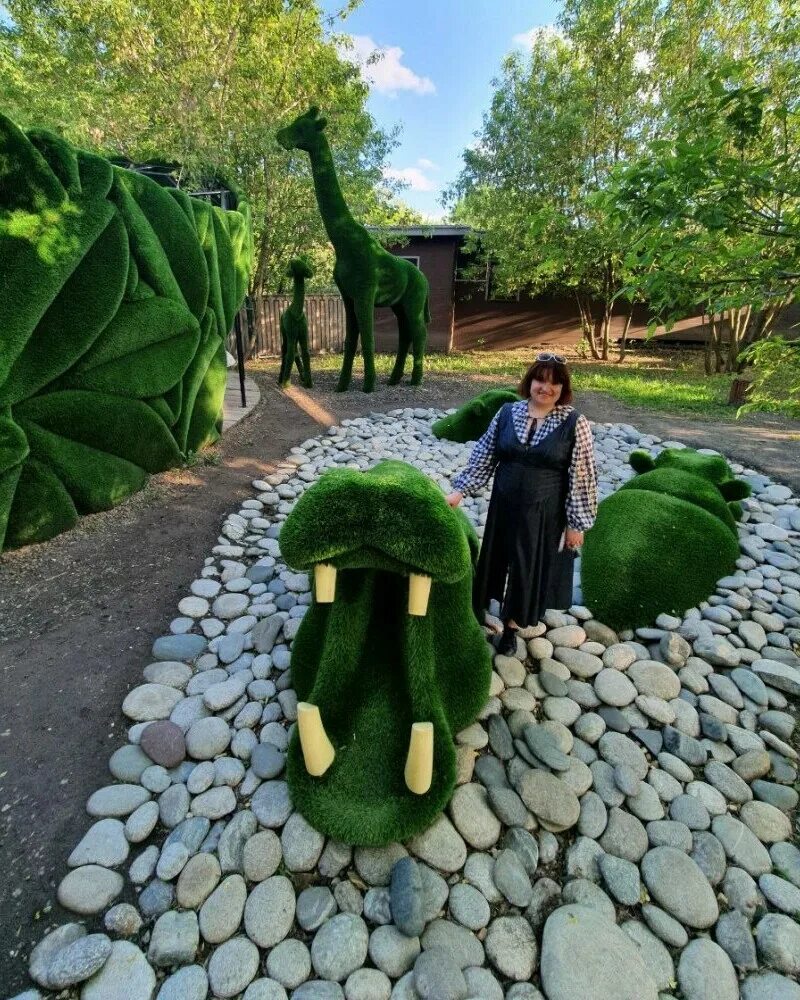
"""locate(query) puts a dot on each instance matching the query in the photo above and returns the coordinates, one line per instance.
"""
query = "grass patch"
(671, 381)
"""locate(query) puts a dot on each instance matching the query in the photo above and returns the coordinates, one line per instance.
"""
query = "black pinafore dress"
(519, 563)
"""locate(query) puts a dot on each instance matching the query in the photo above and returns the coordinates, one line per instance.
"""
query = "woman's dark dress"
(519, 563)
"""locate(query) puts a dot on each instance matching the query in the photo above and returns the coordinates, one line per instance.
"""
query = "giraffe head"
(299, 267)
(304, 131)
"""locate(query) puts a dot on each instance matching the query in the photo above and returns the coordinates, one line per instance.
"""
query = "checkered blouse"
(581, 503)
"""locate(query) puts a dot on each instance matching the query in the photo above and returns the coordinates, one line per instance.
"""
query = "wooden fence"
(326, 324)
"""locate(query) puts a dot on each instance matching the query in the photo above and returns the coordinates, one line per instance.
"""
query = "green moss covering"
(294, 328)
(365, 274)
(115, 299)
(471, 420)
(372, 668)
(661, 542)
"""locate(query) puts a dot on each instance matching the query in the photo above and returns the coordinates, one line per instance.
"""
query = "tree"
(718, 198)
(206, 85)
(559, 122)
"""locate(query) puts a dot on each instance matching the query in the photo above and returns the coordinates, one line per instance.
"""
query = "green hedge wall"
(116, 296)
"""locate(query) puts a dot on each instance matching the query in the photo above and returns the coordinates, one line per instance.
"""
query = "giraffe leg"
(365, 317)
(350, 343)
(287, 357)
(305, 374)
(403, 344)
(414, 305)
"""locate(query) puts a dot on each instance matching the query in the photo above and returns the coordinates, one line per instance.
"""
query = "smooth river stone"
(585, 956)
(554, 804)
(678, 884)
(151, 701)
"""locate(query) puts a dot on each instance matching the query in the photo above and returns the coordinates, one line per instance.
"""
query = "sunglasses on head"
(558, 358)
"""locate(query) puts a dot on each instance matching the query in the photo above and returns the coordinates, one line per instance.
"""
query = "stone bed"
(621, 826)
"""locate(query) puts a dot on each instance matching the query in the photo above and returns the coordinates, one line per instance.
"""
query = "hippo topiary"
(389, 662)
(661, 542)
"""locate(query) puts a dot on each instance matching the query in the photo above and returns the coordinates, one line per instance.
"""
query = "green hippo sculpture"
(661, 542)
(389, 662)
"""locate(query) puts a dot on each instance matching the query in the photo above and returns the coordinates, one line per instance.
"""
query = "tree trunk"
(587, 324)
(624, 339)
(710, 337)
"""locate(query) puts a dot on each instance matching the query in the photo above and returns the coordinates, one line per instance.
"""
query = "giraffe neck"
(299, 294)
(333, 208)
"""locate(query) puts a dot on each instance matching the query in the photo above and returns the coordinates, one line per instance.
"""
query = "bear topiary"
(386, 676)
(661, 542)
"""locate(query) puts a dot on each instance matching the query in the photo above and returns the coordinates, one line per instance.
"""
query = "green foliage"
(114, 305)
(661, 542)
(561, 119)
(371, 667)
(775, 381)
(205, 86)
(648, 152)
(471, 420)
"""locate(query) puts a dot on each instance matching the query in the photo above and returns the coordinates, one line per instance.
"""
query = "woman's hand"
(454, 498)
(573, 539)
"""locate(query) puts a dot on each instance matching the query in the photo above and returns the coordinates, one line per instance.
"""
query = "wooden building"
(467, 312)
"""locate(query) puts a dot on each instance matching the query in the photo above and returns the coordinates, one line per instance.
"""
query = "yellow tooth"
(419, 590)
(325, 583)
(318, 752)
(419, 763)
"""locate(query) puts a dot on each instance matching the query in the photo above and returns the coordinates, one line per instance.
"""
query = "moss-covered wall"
(115, 299)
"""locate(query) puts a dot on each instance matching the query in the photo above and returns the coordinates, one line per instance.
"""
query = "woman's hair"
(548, 371)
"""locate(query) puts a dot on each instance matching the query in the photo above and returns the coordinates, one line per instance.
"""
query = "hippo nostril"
(419, 763)
(325, 583)
(318, 752)
(419, 590)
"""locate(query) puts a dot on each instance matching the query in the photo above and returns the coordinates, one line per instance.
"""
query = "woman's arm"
(481, 463)
(581, 503)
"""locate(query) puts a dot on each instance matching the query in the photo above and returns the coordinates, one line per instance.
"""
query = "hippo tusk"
(419, 590)
(318, 752)
(325, 583)
(419, 763)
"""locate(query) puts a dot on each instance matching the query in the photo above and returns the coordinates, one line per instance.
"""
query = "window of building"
(414, 260)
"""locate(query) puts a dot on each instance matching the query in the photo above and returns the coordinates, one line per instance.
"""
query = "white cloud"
(412, 176)
(527, 39)
(642, 61)
(382, 68)
(426, 164)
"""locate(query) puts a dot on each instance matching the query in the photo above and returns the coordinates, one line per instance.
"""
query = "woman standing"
(543, 500)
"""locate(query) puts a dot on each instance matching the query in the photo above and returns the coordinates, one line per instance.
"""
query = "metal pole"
(237, 326)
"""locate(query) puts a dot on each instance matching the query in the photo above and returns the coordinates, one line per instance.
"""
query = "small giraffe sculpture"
(365, 274)
(294, 328)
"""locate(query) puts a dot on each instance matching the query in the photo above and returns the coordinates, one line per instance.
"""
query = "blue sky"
(434, 79)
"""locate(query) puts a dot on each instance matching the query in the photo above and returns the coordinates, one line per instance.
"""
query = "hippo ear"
(641, 461)
(313, 111)
(735, 489)
(321, 123)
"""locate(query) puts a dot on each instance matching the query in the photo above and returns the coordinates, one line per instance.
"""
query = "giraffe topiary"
(294, 328)
(365, 274)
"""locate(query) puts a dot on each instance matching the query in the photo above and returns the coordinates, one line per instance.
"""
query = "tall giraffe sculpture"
(365, 274)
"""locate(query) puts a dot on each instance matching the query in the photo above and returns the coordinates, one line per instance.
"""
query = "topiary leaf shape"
(118, 426)
(112, 361)
(143, 351)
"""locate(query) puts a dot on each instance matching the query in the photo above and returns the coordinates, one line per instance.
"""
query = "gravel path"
(620, 796)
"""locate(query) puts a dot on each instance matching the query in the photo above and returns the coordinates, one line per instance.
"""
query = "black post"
(237, 326)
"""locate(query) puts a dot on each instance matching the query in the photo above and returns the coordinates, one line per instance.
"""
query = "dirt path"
(78, 616)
